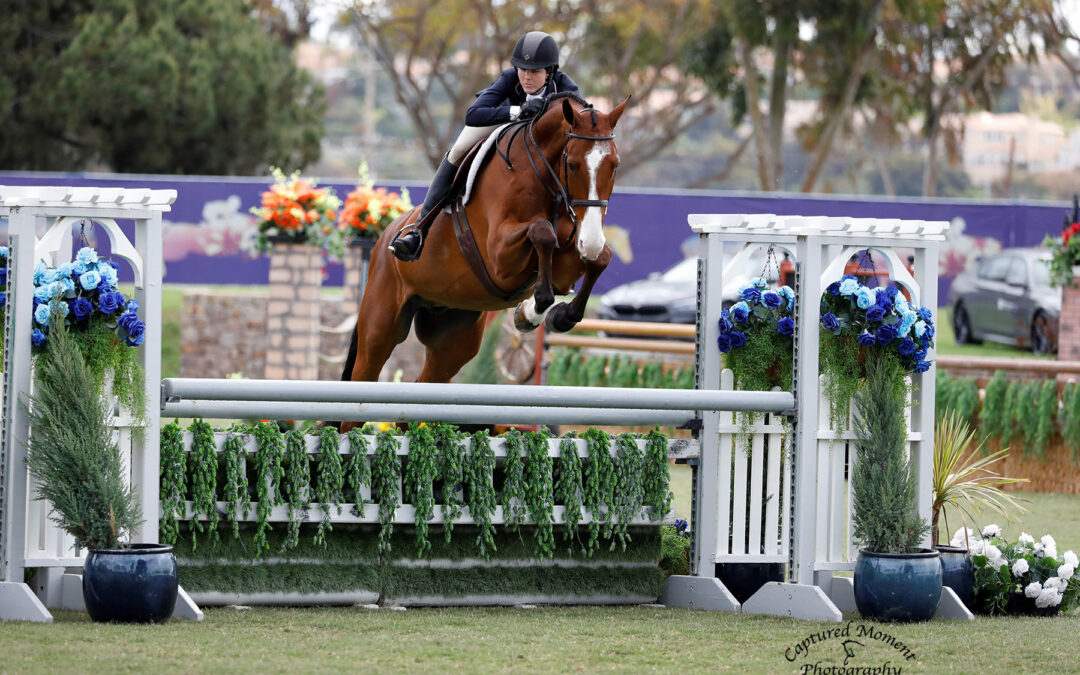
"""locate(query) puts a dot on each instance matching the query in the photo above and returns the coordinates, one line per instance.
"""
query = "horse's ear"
(568, 111)
(617, 112)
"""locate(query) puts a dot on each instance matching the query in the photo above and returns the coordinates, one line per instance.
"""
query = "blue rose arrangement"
(84, 294)
(856, 319)
(756, 336)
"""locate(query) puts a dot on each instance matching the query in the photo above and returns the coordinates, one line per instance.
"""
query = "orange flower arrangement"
(295, 208)
(369, 210)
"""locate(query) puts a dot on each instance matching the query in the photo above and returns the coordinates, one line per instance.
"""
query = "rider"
(517, 94)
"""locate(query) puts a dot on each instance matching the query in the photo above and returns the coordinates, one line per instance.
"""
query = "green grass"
(548, 639)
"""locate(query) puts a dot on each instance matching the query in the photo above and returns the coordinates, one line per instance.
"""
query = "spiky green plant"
(963, 478)
(885, 515)
(71, 452)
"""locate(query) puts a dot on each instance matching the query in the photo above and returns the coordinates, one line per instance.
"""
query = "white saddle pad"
(478, 161)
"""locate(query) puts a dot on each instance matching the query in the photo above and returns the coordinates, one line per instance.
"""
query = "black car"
(1008, 299)
(671, 296)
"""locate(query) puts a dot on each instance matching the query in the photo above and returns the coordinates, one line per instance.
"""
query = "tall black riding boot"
(406, 246)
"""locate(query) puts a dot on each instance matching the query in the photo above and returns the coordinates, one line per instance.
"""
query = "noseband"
(560, 198)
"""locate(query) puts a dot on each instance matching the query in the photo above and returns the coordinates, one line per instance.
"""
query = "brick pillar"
(1069, 326)
(292, 314)
(357, 255)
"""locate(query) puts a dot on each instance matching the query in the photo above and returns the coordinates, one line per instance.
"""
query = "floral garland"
(357, 470)
(385, 469)
(173, 482)
(294, 487)
(598, 484)
(628, 490)
(330, 482)
(513, 493)
(420, 472)
(295, 208)
(369, 210)
(235, 494)
(451, 452)
(539, 491)
(268, 475)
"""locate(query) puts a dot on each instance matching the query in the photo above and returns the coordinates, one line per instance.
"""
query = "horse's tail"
(346, 372)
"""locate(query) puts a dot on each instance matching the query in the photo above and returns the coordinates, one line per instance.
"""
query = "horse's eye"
(573, 167)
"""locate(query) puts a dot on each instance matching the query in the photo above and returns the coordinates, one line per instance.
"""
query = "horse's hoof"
(520, 322)
(559, 319)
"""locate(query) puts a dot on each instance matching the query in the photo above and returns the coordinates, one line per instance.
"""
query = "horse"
(536, 215)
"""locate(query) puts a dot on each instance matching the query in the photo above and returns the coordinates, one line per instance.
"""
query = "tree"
(151, 86)
(755, 51)
(438, 55)
(951, 58)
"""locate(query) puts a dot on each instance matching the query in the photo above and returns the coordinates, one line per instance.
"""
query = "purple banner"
(204, 232)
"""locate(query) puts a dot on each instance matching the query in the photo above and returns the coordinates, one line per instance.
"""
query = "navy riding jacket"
(492, 105)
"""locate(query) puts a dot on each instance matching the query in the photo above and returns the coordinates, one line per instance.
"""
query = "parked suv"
(1007, 298)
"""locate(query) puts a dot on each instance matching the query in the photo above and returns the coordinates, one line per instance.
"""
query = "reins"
(560, 198)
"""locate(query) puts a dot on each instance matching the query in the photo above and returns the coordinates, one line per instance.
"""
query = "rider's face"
(532, 81)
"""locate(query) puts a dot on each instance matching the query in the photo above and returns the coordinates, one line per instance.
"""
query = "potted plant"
(71, 452)
(295, 210)
(1025, 577)
(963, 479)
(895, 579)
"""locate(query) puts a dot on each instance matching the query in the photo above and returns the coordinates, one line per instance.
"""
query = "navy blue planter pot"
(131, 585)
(898, 586)
(958, 573)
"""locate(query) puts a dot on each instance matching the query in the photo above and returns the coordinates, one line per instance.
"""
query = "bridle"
(560, 197)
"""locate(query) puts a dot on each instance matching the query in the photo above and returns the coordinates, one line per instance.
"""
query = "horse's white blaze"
(528, 307)
(590, 241)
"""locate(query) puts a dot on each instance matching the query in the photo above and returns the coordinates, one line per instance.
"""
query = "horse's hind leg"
(452, 337)
(564, 316)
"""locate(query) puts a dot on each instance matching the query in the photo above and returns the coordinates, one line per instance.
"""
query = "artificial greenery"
(958, 395)
(71, 452)
(203, 466)
(1069, 419)
(993, 407)
(235, 493)
(513, 492)
(656, 476)
(268, 473)
(885, 518)
(674, 552)
(385, 469)
(421, 470)
(570, 368)
(567, 489)
(451, 453)
(357, 470)
(628, 490)
(173, 461)
(294, 483)
(597, 485)
(615, 490)
(329, 481)
(479, 474)
(840, 361)
(539, 491)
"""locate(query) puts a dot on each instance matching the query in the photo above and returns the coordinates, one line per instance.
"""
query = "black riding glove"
(531, 108)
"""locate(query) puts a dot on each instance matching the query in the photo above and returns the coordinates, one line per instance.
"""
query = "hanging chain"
(83, 241)
(8, 374)
(770, 261)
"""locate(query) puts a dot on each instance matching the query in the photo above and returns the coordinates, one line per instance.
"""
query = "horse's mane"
(558, 96)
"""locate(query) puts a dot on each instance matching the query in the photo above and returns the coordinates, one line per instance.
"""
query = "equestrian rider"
(517, 94)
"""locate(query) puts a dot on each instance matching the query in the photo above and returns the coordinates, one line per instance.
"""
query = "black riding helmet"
(536, 49)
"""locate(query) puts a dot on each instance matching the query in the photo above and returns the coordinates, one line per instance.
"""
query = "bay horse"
(536, 215)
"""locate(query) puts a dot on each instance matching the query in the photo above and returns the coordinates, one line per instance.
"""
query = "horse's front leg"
(530, 312)
(565, 316)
